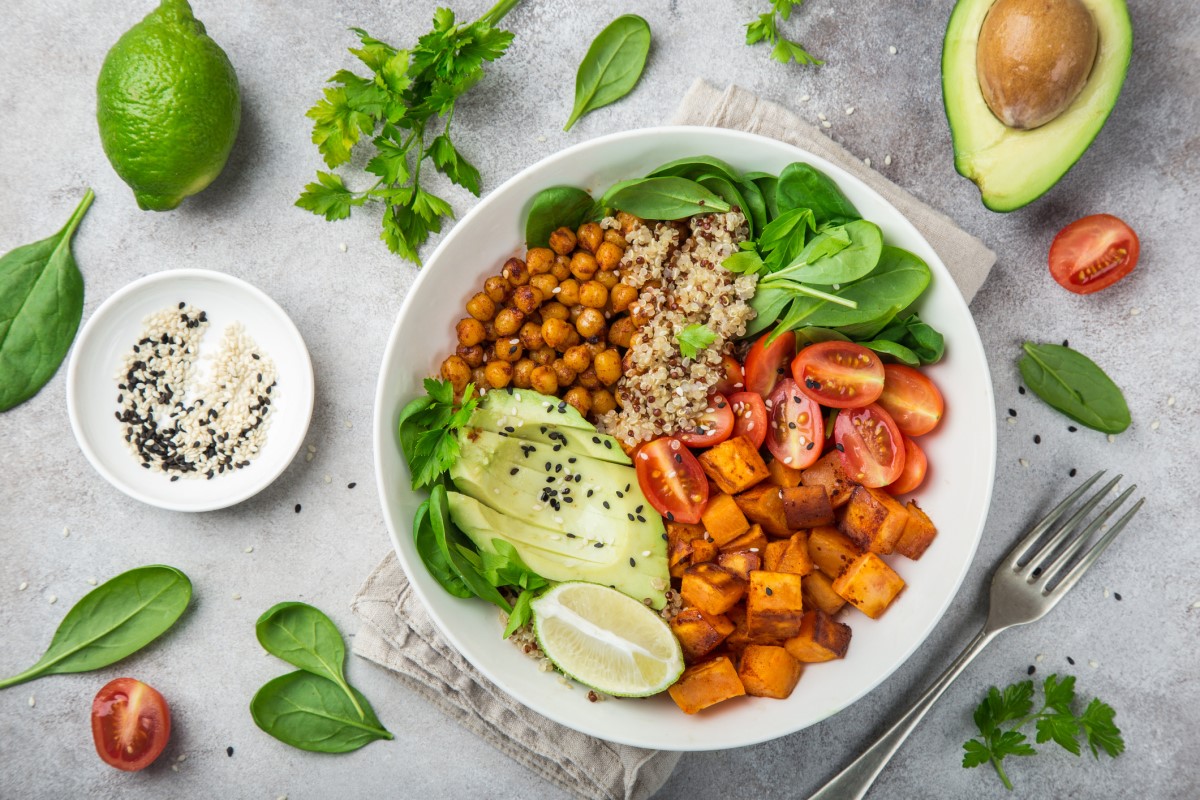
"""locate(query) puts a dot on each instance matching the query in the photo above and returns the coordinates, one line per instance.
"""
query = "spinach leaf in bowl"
(554, 208)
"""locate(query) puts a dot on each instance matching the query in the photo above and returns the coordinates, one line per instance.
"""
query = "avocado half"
(1015, 167)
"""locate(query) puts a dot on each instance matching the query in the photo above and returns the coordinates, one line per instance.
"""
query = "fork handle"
(853, 782)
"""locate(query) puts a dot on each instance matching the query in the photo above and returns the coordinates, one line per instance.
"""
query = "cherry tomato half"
(713, 426)
(797, 430)
(913, 475)
(672, 479)
(1093, 253)
(914, 402)
(734, 381)
(871, 445)
(767, 363)
(750, 417)
(839, 374)
(130, 723)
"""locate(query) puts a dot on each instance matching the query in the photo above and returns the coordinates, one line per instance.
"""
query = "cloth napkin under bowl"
(397, 631)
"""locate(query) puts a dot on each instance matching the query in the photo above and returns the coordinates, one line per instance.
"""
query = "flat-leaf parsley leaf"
(766, 29)
(428, 430)
(693, 339)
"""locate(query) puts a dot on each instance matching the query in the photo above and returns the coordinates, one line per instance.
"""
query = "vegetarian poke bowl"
(685, 420)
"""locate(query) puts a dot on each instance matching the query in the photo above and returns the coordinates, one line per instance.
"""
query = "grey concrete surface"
(61, 523)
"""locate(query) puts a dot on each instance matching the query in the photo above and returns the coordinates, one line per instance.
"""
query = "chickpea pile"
(557, 322)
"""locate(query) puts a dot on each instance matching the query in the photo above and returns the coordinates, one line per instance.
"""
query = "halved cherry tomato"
(914, 402)
(734, 381)
(672, 479)
(871, 445)
(839, 374)
(713, 426)
(750, 418)
(130, 723)
(797, 430)
(767, 363)
(913, 475)
(1093, 253)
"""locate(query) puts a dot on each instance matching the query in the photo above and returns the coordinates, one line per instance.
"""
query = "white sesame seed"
(1106, 591)
(1196, 604)
(32, 701)
(1023, 462)
(66, 532)
(787, 460)
(182, 758)
(643, 456)
(536, 507)
(541, 138)
(342, 247)
(753, 549)
(236, 596)
(804, 98)
(495, 490)
(91, 581)
(867, 161)
(1093, 663)
(308, 457)
(887, 161)
(558, 520)
(249, 549)
(1171, 400)
(892, 50)
(827, 124)
(52, 599)
(645, 554)
(849, 110)
(24, 585)
(1039, 658)
(174, 768)
(556, 290)
(1111, 438)
(1012, 420)
(1133, 312)
(349, 424)
(822, 117)
(312, 448)
(1154, 425)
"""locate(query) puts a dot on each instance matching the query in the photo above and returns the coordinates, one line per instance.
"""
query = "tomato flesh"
(131, 724)
(734, 380)
(839, 374)
(672, 479)
(1093, 253)
(912, 399)
(713, 426)
(750, 417)
(797, 429)
(766, 363)
(915, 465)
(871, 446)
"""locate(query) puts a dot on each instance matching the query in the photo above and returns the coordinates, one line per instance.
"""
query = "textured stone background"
(1144, 167)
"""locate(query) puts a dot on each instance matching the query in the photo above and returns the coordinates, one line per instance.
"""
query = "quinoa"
(676, 266)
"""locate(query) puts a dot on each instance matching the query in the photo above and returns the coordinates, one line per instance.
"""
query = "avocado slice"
(1014, 167)
(533, 407)
(503, 418)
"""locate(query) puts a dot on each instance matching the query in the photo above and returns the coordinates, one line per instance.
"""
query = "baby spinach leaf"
(694, 166)
(432, 557)
(838, 255)
(768, 185)
(756, 205)
(897, 351)
(554, 208)
(612, 65)
(918, 336)
(453, 546)
(1072, 383)
(117, 618)
(41, 303)
(504, 567)
(782, 240)
(744, 262)
(803, 186)
(665, 198)
(811, 334)
(768, 303)
(304, 637)
(898, 280)
(311, 713)
(728, 191)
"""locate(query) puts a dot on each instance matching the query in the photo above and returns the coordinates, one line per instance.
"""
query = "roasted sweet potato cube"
(774, 554)
(703, 550)
(740, 562)
(683, 531)
(723, 520)
(830, 551)
(737, 641)
(868, 584)
(873, 520)
(762, 504)
(734, 465)
(711, 589)
(818, 592)
(753, 540)
(795, 558)
(705, 684)
(806, 507)
(677, 570)
(679, 552)
(699, 633)
(768, 671)
(830, 473)
(782, 475)
(773, 606)
(918, 533)
(821, 638)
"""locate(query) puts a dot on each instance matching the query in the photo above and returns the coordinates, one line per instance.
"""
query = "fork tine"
(1063, 531)
(1042, 580)
(1025, 545)
(1090, 557)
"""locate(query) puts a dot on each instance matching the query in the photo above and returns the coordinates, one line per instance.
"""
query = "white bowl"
(117, 324)
(962, 453)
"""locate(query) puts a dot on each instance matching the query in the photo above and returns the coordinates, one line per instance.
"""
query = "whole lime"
(168, 107)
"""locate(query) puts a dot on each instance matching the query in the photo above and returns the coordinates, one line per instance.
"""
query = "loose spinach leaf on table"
(304, 637)
(41, 303)
(117, 618)
(312, 713)
(612, 66)
(1072, 383)
(666, 198)
(554, 208)
(803, 186)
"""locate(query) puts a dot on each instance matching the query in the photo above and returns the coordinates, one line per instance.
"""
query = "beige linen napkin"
(398, 633)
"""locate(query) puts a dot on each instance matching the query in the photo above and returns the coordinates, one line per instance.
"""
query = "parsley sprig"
(428, 428)
(1002, 714)
(405, 108)
(766, 28)
(693, 339)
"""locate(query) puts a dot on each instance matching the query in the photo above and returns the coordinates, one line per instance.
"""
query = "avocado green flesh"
(588, 443)
(534, 408)
(1014, 167)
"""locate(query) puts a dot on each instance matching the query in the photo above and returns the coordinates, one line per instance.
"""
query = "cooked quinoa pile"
(676, 268)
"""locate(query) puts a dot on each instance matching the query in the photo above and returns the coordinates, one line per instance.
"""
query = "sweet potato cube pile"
(778, 555)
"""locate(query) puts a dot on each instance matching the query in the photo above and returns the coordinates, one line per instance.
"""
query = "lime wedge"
(606, 640)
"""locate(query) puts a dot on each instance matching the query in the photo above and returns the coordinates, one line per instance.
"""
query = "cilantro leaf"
(693, 339)
(328, 197)
(1102, 732)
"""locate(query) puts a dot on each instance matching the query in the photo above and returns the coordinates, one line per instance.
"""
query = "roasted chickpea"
(578, 358)
(531, 336)
(543, 356)
(580, 398)
(622, 295)
(521, 372)
(564, 374)
(608, 256)
(481, 307)
(621, 332)
(628, 222)
(543, 380)
(489, 332)
(608, 278)
(479, 377)
(555, 310)
(498, 374)
(473, 355)
(583, 265)
(555, 331)
(470, 331)
(568, 292)
(593, 294)
(527, 299)
(497, 288)
(608, 367)
(603, 402)
(562, 241)
(590, 323)
(640, 313)
(509, 321)
(589, 236)
(516, 272)
(588, 379)
(457, 371)
(562, 267)
(539, 260)
(575, 312)
(573, 340)
(508, 350)
(544, 283)
(617, 238)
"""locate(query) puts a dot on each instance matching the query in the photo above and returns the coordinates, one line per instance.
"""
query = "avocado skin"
(1012, 168)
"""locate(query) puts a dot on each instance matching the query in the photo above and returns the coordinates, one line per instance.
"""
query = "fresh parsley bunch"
(405, 107)
(766, 29)
(1002, 714)
(428, 430)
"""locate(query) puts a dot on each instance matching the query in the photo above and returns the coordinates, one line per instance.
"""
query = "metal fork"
(1027, 584)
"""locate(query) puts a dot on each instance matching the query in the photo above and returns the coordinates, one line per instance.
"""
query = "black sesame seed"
(640, 518)
(174, 478)
(630, 517)
(1066, 343)
(678, 458)
(598, 545)
(606, 505)
(620, 494)
(1032, 669)
(1021, 390)
(570, 536)
(510, 429)
(1117, 595)
(1072, 472)
(638, 510)
(351, 485)
(665, 538)
(670, 518)
(595, 439)
(840, 448)
(181, 306)
(512, 471)
(1072, 428)
(1012, 412)
(572, 460)
(297, 504)
(809, 446)
(549, 479)
(558, 467)
(1037, 439)
(769, 592)
(632, 563)
(590, 493)
(608, 444)
(229, 751)
(792, 425)
(1070, 661)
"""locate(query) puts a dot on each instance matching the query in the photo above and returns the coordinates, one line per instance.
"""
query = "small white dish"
(114, 328)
